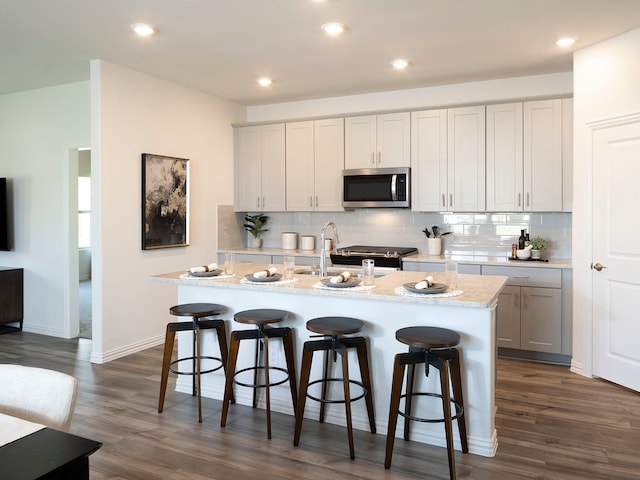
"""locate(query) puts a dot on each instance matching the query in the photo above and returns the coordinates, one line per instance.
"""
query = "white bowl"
(523, 254)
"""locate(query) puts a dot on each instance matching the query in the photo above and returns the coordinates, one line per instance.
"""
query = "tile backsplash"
(472, 233)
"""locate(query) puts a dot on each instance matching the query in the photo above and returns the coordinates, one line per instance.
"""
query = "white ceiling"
(222, 46)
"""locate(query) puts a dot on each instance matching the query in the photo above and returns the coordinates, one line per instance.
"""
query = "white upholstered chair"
(38, 395)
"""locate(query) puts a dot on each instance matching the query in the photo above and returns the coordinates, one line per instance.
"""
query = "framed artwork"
(165, 201)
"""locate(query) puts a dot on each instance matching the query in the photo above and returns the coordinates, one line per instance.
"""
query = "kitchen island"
(385, 308)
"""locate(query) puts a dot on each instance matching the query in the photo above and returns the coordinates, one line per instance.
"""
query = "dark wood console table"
(11, 298)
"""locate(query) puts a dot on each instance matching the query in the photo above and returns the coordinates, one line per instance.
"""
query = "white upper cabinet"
(315, 160)
(429, 160)
(466, 159)
(378, 141)
(525, 157)
(260, 168)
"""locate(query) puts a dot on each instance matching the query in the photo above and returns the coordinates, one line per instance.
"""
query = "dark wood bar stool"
(198, 312)
(261, 318)
(430, 346)
(333, 343)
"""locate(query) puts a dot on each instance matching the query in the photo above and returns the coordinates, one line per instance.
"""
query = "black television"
(4, 216)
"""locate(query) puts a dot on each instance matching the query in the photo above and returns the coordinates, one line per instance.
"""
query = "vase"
(434, 246)
(256, 242)
(535, 254)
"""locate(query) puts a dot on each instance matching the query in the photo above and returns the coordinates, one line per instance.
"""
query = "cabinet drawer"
(527, 277)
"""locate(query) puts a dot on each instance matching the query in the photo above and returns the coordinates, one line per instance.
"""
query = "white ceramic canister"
(308, 242)
(289, 240)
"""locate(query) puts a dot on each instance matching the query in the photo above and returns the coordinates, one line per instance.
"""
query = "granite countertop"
(477, 291)
(419, 258)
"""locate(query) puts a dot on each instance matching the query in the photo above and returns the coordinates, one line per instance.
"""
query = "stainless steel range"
(387, 257)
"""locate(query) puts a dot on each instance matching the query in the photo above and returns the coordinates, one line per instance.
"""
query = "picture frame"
(165, 201)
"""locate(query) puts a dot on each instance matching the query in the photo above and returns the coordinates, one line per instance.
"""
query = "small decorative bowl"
(523, 254)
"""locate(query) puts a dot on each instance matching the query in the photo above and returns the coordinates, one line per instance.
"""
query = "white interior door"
(616, 252)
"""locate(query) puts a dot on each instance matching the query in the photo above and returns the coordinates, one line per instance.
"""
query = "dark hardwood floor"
(552, 424)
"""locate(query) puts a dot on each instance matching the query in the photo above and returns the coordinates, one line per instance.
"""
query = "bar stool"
(197, 311)
(430, 346)
(333, 329)
(261, 318)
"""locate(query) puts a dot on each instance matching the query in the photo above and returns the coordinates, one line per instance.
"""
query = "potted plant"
(537, 244)
(254, 224)
(434, 240)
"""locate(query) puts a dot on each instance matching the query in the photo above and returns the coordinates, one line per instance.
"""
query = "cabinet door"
(273, 168)
(299, 166)
(429, 160)
(504, 158)
(508, 318)
(248, 170)
(567, 154)
(360, 142)
(543, 156)
(466, 159)
(329, 163)
(541, 321)
(393, 140)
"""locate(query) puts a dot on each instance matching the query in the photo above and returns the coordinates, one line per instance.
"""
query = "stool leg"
(347, 400)
(305, 372)
(365, 376)
(196, 333)
(231, 368)
(256, 363)
(169, 338)
(456, 382)
(394, 405)
(267, 384)
(221, 333)
(326, 370)
(446, 407)
(287, 342)
(408, 399)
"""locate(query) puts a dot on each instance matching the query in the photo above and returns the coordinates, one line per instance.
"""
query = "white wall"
(37, 129)
(491, 91)
(131, 114)
(606, 79)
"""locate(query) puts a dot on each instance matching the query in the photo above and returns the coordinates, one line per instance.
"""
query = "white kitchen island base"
(472, 314)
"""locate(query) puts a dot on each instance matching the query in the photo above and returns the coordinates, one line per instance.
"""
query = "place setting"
(211, 271)
(428, 288)
(270, 276)
(345, 281)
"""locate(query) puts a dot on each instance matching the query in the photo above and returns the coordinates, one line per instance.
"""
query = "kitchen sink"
(333, 271)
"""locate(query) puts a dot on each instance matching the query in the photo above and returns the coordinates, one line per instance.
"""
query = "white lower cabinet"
(529, 315)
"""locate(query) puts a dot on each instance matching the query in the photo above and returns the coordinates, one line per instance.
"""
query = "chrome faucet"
(323, 250)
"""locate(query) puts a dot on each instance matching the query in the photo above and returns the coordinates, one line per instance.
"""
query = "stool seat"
(335, 325)
(428, 337)
(261, 316)
(196, 310)
(198, 313)
(334, 343)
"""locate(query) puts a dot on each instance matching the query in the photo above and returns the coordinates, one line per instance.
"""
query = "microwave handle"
(394, 183)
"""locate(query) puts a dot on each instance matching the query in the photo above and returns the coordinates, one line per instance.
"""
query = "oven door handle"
(394, 191)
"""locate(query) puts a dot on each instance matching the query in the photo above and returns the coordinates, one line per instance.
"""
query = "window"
(84, 212)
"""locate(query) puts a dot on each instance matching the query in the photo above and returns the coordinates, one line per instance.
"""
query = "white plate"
(435, 288)
(273, 278)
(212, 273)
(351, 282)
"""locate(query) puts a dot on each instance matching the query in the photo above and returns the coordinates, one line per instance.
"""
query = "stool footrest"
(184, 359)
(261, 385)
(459, 409)
(324, 400)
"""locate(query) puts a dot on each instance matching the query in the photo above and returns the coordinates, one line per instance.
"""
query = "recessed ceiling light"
(143, 29)
(400, 64)
(333, 28)
(565, 42)
(264, 81)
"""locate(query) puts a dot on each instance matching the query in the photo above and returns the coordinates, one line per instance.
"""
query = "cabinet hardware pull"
(310, 200)
(262, 202)
(373, 158)
(520, 276)
(451, 199)
(258, 202)
(444, 202)
(379, 158)
(528, 202)
(519, 195)
(316, 201)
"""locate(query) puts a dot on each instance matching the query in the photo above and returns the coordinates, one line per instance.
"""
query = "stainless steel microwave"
(376, 188)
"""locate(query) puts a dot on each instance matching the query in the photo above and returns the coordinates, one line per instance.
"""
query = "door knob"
(597, 267)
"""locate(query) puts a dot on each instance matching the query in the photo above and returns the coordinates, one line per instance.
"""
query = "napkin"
(426, 283)
(266, 273)
(343, 277)
(205, 268)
